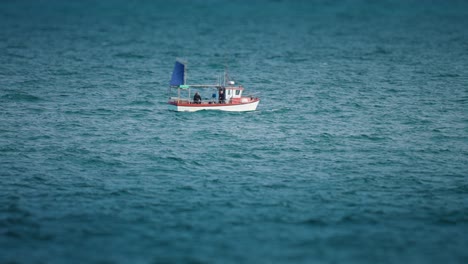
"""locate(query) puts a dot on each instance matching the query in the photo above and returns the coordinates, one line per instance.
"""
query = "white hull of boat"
(227, 107)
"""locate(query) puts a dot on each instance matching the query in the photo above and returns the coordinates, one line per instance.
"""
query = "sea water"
(357, 153)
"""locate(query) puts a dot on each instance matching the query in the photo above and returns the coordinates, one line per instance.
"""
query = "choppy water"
(357, 153)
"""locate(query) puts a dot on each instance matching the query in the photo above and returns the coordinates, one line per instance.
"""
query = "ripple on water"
(20, 97)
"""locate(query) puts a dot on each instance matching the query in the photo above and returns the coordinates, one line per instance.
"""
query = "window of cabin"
(237, 92)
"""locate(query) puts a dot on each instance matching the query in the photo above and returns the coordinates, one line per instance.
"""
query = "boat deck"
(248, 104)
(207, 103)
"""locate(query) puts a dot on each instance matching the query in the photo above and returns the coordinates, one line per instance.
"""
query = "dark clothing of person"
(197, 98)
(221, 97)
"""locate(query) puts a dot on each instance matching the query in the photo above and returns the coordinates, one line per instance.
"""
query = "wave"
(128, 55)
(447, 75)
(142, 102)
(21, 97)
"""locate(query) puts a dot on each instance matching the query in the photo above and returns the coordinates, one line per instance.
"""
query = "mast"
(226, 74)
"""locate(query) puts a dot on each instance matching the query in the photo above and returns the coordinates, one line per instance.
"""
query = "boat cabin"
(233, 94)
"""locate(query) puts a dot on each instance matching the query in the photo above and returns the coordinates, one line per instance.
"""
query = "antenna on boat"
(226, 71)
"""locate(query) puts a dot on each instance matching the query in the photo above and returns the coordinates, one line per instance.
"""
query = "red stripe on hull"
(210, 105)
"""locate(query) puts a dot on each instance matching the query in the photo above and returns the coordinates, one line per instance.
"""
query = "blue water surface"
(357, 153)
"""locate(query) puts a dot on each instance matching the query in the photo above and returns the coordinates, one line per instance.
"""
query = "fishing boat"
(225, 96)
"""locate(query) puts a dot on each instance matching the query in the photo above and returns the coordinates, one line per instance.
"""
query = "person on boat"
(221, 97)
(197, 98)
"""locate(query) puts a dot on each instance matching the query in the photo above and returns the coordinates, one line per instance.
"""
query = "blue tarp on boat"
(178, 74)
